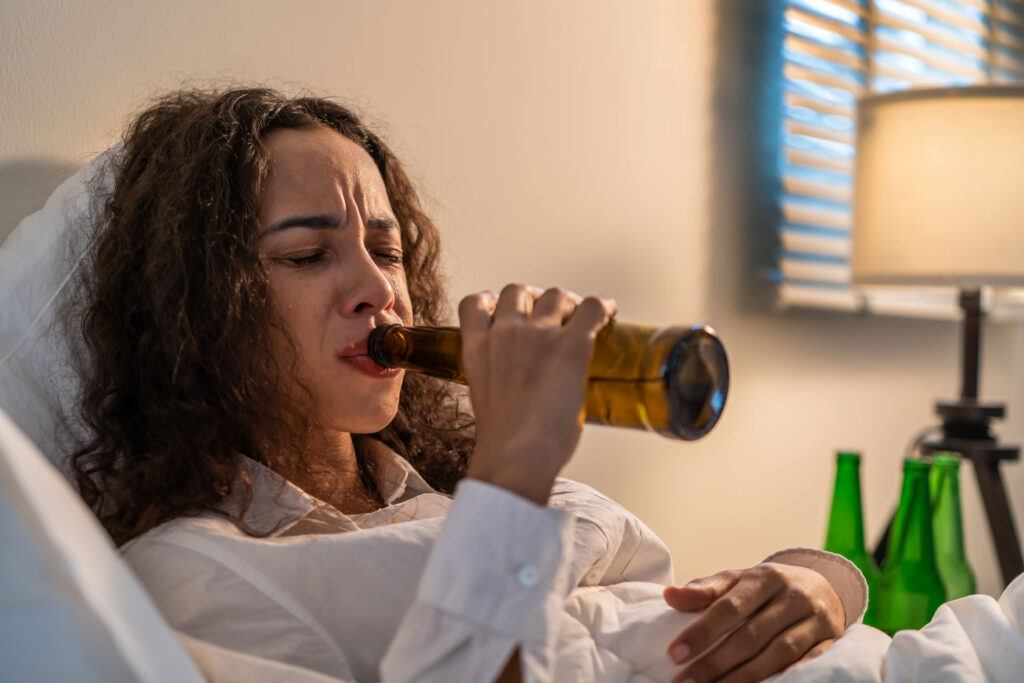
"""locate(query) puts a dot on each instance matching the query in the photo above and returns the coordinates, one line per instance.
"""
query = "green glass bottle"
(948, 526)
(909, 586)
(845, 535)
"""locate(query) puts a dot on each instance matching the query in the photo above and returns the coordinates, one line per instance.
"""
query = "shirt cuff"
(498, 559)
(847, 581)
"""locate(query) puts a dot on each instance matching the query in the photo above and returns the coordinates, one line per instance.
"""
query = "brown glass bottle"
(671, 380)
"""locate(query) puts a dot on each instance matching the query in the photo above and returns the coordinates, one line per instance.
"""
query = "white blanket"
(975, 638)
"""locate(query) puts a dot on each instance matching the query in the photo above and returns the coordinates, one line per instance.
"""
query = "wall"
(569, 143)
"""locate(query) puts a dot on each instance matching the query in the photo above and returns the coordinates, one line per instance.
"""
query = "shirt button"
(527, 576)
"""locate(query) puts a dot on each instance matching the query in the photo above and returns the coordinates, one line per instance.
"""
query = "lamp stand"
(965, 430)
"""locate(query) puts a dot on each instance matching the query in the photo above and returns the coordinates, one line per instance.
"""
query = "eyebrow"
(328, 221)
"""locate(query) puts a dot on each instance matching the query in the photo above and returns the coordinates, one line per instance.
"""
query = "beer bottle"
(845, 535)
(947, 523)
(671, 380)
(909, 586)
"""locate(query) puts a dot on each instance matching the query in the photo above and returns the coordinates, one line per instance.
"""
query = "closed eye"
(391, 256)
(306, 260)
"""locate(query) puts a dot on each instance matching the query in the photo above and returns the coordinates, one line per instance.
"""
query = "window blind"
(835, 51)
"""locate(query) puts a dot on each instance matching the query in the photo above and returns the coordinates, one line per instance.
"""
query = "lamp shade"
(939, 188)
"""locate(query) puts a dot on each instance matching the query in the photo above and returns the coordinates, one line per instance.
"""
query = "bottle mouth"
(376, 345)
(697, 383)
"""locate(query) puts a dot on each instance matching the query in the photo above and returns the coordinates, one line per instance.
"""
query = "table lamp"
(939, 201)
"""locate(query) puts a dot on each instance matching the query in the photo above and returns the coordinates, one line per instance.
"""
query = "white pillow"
(37, 262)
(70, 609)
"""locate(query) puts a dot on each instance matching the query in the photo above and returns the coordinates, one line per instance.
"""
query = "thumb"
(700, 593)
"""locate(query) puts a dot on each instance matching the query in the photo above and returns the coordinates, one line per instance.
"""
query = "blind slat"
(981, 5)
(948, 16)
(942, 38)
(923, 80)
(800, 128)
(851, 33)
(834, 273)
(1007, 39)
(822, 106)
(830, 246)
(802, 73)
(798, 157)
(819, 190)
(932, 58)
(1010, 63)
(1005, 16)
(854, 6)
(847, 58)
(801, 214)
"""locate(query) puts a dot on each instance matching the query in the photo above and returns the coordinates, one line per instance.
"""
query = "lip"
(355, 348)
(369, 367)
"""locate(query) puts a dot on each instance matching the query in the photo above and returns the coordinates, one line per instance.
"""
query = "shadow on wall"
(25, 184)
(747, 61)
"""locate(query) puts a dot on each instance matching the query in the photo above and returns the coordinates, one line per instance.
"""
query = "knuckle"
(798, 596)
(772, 573)
(513, 288)
(748, 638)
(731, 606)
(819, 610)
(790, 648)
(557, 293)
(474, 301)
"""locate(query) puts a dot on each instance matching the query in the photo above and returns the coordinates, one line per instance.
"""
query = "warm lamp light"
(939, 200)
(939, 183)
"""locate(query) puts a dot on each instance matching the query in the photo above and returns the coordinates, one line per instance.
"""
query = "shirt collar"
(276, 504)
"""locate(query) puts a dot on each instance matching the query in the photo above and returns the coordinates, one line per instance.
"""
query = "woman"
(282, 496)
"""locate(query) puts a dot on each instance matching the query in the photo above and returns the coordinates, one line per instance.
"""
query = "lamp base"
(965, 430)
(968, 419)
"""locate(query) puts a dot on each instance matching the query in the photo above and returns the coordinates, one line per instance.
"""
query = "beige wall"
(565, 143)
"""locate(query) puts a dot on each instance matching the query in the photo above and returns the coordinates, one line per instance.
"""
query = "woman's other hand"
(525, 354)
(768, 617)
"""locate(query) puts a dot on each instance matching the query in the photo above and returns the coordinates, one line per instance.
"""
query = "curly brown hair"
(179, 373)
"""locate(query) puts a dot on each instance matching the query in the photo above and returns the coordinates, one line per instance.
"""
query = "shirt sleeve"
(610, 544)
(847, 581)
(495, 581)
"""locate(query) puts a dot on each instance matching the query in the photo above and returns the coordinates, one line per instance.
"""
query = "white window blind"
(835, 51)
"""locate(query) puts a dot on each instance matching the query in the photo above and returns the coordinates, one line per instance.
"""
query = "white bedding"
(976, 638)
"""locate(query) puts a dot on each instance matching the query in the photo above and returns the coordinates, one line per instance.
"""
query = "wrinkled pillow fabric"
(70, 609)
(38, 262)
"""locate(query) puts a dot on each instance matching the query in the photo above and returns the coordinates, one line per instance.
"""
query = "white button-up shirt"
(428, 588)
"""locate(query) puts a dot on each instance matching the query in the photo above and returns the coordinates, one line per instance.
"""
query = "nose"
(363, 288)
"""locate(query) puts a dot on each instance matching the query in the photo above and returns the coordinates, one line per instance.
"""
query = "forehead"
(319, 165)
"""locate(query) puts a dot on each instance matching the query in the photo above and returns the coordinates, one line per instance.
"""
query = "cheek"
(403, 304)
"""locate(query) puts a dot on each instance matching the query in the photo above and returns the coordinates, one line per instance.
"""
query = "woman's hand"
(525, 354)
(772, 615)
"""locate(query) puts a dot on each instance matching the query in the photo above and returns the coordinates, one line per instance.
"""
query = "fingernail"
(679, 653)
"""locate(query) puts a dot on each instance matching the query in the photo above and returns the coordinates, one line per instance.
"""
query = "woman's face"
(334, 257)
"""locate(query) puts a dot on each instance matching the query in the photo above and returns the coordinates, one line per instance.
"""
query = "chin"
(365, 422)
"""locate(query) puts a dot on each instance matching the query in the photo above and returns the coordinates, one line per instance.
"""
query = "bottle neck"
(846, 519)
(912, 539)
(946, 513)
